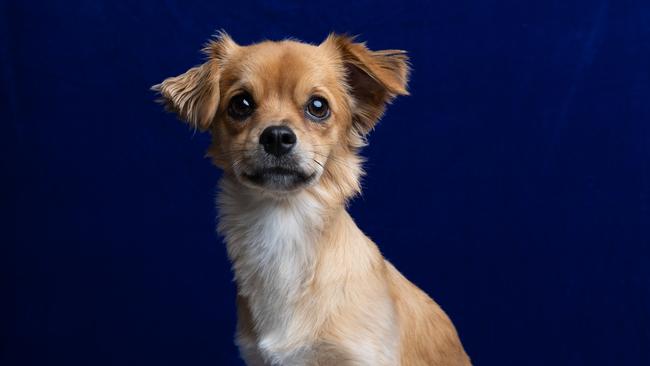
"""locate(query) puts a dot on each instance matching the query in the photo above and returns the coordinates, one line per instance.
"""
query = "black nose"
(277, 140)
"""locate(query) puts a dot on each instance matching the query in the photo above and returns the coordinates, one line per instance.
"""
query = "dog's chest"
(271, 245)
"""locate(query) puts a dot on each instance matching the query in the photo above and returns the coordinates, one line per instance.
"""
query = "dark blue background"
(513, 185)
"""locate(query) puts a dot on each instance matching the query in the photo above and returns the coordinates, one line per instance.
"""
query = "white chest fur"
(271, 244)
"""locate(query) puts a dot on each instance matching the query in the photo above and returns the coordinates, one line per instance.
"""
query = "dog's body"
(287, 121)
(314, 290)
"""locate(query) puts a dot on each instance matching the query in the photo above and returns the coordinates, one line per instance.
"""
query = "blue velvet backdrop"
(513, 185)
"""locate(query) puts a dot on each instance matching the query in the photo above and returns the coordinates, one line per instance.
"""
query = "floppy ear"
(194, 95)
(374, 78)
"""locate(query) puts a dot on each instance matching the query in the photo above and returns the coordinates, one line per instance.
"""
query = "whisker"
(336, 159)
(319, 163)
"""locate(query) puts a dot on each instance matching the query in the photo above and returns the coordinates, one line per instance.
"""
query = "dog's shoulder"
(428, 336)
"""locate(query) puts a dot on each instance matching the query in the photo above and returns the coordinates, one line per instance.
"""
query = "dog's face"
(286, 115)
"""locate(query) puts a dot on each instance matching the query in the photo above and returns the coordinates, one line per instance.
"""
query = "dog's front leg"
(249, 351)
(361, 355)
(246, 339)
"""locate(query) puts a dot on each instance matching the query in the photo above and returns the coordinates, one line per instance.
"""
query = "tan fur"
(313, 289)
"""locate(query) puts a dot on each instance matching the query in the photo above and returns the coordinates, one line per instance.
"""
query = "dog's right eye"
(241, 106)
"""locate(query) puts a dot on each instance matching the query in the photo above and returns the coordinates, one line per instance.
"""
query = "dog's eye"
(317, 109)
(241, 106)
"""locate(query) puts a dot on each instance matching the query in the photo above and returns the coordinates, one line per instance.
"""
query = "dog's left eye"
(317, 109)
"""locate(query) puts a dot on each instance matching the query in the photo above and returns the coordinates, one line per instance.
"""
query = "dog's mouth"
(279, 178)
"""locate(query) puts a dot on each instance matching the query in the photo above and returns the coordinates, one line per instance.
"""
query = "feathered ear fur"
(374, 77)
(194, 95)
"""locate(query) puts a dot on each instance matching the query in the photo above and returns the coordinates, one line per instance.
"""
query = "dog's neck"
(272, 244)
(281, 250)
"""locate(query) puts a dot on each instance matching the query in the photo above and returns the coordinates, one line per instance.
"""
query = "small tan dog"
(287, 121)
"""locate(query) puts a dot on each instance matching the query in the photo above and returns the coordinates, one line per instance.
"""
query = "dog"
(287, 121)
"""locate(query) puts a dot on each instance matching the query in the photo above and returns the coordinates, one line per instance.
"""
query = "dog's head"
(287, 116)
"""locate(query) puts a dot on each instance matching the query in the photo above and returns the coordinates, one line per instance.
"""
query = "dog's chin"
(278, 180)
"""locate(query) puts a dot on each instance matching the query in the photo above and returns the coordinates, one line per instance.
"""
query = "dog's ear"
(194, 95)
(374, 78)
